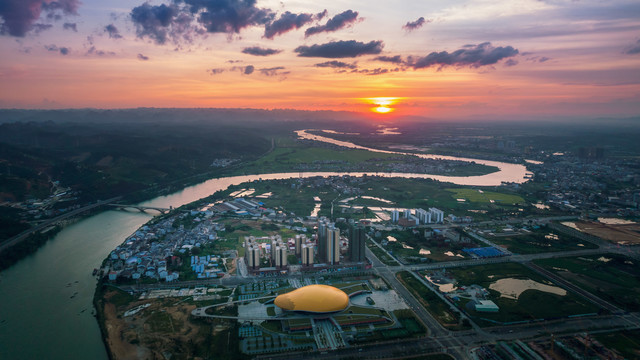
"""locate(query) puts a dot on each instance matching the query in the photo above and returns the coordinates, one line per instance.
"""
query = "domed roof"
(313, 298)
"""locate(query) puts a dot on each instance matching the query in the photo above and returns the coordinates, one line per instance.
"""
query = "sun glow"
(383, 104)
(382, 110)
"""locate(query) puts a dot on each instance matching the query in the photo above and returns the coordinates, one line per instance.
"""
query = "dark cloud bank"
(340, 49)
(176, 20)
(335, 23)
(335, 64)
(469, 55)
(20, 16)
(414, 25)
(287, 22)
(259, 51)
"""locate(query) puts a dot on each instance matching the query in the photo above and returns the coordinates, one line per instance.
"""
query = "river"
(46, 298)
(507, 172)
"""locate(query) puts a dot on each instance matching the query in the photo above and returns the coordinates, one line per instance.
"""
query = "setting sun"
(383, 101)
(383, 104)
(382, 109)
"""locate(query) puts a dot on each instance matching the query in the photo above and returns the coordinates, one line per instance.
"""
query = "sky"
(498, 59)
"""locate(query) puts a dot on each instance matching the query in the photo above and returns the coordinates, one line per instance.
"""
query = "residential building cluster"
(151, 251)
(591, 185)
(415, 217)
(328, 249)
(206, 266)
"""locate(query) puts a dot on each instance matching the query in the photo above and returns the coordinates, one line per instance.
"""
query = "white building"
(276, 241)
(281, 256)
(252, 255)
(424, 216)
(437, 216)
(395, 216)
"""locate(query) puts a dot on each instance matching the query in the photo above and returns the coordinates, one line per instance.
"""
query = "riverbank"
(99, 307)
(27, 247)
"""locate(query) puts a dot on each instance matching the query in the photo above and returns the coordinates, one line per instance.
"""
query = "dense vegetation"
(103, 160)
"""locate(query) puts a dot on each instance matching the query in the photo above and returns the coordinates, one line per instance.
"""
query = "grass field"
(540, 240)
(626, 342)
(481, 196)
(119, 298)
(614, 278)
(432, 302)
(352, 288)
(380, 254)
(290, 155)
(161, 321)
(298, 200)
(406, 240)
(297, 155)
(531, 304)
(299, 322)
(271, 311)
(365, 310)
(272, 325)
(289, 196)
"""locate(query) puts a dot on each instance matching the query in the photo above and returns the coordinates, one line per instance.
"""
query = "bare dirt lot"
(162, 329)
(623, 234)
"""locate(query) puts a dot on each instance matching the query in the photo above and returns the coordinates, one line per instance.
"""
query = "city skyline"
(506, 60)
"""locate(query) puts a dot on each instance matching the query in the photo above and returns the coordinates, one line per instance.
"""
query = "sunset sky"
(520, 59)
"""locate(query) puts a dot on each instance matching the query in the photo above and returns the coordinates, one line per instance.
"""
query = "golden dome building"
(313, 298)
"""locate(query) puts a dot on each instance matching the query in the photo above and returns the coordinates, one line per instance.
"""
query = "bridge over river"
(141, 208)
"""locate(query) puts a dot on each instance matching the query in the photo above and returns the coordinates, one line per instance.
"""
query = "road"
(23, 235)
